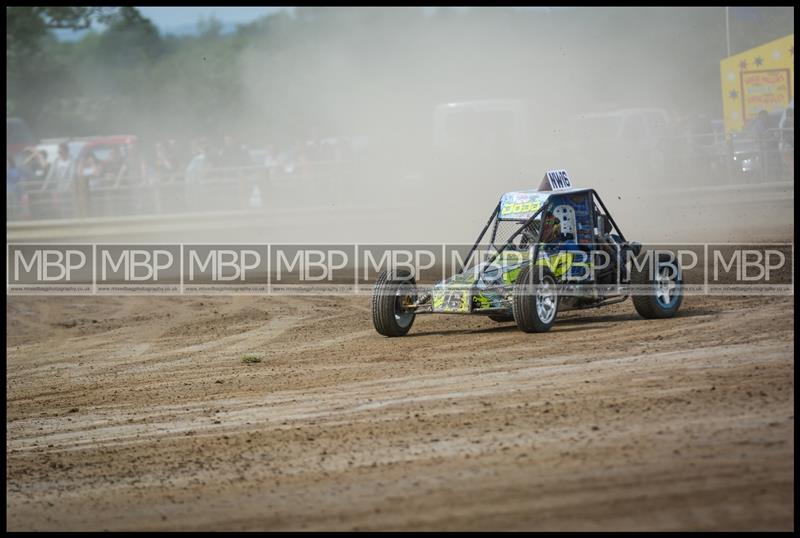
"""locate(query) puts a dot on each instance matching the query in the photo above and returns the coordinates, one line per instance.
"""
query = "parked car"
(754, 156)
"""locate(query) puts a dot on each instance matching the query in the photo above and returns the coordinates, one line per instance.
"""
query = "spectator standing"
(270, 161)
(132, 169)
(165, 163)
(787, 126)
(90, 171)
(113, 167)
(180, 156)
(59, 171)
(787, 139)
(34, 166)
(88, 175)
(760, 125)
(199, 164)
(767, 144)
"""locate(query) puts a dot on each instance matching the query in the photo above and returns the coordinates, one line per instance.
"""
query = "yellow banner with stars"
(761, 78)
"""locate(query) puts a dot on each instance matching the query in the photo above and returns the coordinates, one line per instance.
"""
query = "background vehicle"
(476, 139)
(51, 195)
(631, 135)
(111, 152)
(642, 126)
(754, 155)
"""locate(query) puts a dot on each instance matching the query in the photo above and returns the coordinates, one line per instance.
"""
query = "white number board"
(557, 179)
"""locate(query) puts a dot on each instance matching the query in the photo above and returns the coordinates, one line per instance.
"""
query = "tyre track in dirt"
(148, 419)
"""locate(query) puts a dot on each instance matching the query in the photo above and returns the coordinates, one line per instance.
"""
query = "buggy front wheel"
(535, 300)
(392, 298)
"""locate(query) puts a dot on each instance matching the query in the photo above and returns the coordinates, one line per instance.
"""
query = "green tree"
(36, 63)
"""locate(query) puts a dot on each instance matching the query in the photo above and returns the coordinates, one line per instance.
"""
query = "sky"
(182, 19)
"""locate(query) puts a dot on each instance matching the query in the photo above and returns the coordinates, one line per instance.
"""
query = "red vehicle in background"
(99, 164)
(104, 160)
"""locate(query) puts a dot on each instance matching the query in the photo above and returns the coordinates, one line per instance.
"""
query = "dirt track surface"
(138, 413)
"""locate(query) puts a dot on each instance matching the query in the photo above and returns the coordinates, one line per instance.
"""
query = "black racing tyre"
(388, 296)
(657, 295)
(535, 300)
(501, 318)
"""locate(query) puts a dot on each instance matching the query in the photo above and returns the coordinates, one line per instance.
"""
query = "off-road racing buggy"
(547, 250)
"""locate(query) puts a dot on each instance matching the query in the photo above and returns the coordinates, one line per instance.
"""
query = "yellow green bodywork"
(461, 294)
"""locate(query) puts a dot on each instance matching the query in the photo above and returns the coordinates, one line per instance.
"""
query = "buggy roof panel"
(521, 205)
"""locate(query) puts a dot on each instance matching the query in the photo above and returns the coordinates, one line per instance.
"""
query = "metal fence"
(716, 160)
(708, 160)
(216, 189)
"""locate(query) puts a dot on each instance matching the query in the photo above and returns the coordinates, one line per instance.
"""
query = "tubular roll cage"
(526, 223)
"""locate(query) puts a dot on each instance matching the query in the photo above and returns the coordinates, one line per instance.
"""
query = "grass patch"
(250, 359)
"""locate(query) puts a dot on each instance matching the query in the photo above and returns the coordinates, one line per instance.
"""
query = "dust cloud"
(524, 84)
(532, 75)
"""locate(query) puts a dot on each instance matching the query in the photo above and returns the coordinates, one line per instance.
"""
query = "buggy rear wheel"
(535, 301)
(392, 295)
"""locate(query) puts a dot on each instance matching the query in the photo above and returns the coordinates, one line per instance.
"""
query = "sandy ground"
(138, 413)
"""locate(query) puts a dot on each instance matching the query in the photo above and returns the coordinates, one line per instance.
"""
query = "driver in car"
(550, 233)
(551, 230)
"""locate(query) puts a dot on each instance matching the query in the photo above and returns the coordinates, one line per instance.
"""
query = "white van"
(640, 127)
